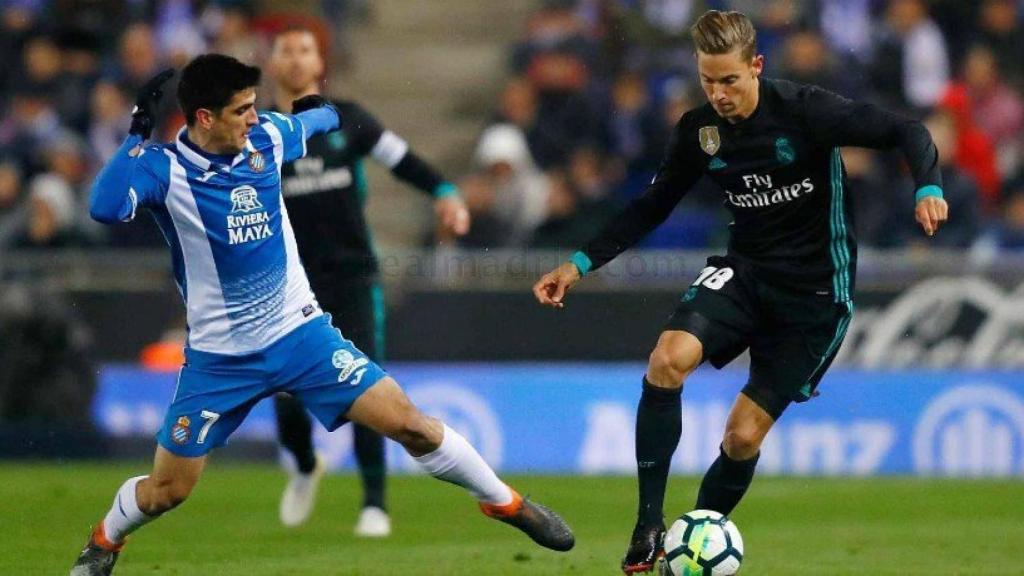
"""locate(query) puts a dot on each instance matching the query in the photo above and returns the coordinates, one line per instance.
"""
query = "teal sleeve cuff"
(929, 190)
(445, 189)
(582, 262)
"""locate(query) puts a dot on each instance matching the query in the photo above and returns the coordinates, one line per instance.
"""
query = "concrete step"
(431, 71)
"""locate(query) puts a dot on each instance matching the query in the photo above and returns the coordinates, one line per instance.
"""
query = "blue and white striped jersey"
(232, 247)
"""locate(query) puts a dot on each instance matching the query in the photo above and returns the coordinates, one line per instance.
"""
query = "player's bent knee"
(741, 443)
(668, 366)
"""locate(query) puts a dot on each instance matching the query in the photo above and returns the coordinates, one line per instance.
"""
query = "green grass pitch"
(812, 526)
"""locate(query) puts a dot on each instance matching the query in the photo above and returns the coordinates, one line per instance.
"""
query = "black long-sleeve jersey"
(325, 192)
(783, 181)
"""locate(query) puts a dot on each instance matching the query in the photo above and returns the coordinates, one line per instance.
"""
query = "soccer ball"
(702, 543)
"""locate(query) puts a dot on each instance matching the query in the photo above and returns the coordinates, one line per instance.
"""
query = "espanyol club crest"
(257, 161)
(244, 199)
(709, 139)
(180, 433)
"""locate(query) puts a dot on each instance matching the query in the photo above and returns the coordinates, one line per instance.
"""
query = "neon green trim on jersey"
(926, 191)
(837, 220)
(359, 175)
(841, 328)
(582, 262)
(379, 320)
(445, 189)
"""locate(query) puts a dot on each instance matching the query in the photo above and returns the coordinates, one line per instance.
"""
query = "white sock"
(456, 461)
(124, 516)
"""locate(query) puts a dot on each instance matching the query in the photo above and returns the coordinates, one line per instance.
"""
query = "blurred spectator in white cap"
(514, 190)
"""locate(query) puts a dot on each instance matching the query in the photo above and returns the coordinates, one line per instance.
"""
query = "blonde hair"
(722, 32)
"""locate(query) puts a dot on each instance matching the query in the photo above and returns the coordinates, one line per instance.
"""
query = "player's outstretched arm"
(678, 172)
(114, 194)
(838, 121)
(370, 138)
(316, 114)
(551, 289)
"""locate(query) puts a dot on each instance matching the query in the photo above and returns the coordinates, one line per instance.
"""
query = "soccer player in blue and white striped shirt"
(255, 327)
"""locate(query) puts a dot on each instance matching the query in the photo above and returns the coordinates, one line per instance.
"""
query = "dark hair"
(210, 81)
(722, 32)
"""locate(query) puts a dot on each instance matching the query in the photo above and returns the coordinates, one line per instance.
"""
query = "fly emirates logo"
(761, 194)
(248, 220)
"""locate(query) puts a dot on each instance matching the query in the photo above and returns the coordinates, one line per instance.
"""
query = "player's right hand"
(930, 213)
(146, 101)
(550, 290)
(309, 102)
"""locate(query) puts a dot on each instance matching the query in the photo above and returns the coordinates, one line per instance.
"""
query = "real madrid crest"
(257, 161)
(710, 141)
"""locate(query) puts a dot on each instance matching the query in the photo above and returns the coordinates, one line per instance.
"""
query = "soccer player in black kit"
(324, 193)
(784, 288)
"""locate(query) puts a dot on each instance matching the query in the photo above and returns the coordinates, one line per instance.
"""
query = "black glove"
(146, 100)
(309, 102)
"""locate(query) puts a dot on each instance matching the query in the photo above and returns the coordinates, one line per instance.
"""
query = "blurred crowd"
(69, 70)
(594, 89)
(596, 86)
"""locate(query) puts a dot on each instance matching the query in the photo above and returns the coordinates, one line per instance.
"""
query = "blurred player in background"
(255, 327)
(784, 289)
(325, 193)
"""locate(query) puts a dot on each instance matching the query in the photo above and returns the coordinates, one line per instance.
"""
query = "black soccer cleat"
(646, 546)
(539, 522)
(98, 557)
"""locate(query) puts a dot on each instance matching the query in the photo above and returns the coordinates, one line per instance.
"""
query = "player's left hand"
(452, 215)
(311, 102)
(930, 213)
(146, 102)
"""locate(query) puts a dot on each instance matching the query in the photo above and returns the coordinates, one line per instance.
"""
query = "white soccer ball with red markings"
(702, 543)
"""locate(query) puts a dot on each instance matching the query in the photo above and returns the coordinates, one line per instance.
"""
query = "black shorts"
(792, 335)
(357, 309)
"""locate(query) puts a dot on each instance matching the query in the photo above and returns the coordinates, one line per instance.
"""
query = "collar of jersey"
(205, 160)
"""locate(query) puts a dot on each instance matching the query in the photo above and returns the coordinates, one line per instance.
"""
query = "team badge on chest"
(257, 161)
(710, 141)
(784, 151)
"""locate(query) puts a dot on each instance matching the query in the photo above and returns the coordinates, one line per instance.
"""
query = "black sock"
(372, 468)
(659, 424)
(725, 483)
(295, 431)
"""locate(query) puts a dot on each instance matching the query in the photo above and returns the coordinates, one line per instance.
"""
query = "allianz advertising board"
(579, 418)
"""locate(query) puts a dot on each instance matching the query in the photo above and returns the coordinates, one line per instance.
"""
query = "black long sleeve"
(415, 171)
(836, 121)
(680, 170)
(371, 138)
